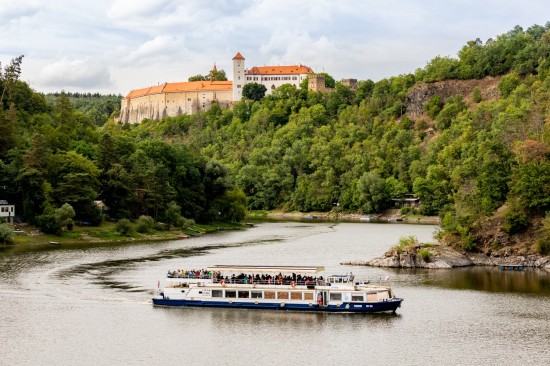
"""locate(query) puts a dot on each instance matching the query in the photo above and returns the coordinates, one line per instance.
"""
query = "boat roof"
(266, 269)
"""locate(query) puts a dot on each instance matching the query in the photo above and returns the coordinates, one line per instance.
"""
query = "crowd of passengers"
(193, 273)
(294, 279)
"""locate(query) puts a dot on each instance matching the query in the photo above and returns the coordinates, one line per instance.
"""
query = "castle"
(174, 99)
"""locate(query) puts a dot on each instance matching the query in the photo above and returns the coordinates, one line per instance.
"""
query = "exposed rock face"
(443, 257)
(422, 93)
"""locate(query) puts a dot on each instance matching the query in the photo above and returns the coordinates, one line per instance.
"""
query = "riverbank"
(436, 256)
(106, 233)
(392, 215)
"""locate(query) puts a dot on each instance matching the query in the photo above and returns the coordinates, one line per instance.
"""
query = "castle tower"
(238, 77)
(316, 82)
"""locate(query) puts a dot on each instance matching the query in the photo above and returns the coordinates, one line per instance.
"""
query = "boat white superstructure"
(274, 287)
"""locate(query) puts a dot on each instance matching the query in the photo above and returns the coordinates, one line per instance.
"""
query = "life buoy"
(293, 284)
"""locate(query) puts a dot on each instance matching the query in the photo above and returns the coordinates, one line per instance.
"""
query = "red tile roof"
(238, 56)
(279, 70)
(182, 87)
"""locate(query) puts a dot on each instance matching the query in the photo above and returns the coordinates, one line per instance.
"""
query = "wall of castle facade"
(161, 105)
(272, 82)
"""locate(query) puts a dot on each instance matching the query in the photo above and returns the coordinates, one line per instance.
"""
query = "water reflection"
(281, 319)
(489, 279)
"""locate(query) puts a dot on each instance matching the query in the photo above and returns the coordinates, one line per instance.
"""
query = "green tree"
(373, 196)
(9, 77)
(254, 91)
(64, 216)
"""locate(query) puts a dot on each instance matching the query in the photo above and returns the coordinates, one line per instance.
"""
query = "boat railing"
(242, 281)
(181, 275)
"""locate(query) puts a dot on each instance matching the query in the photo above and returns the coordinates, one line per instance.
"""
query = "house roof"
(3, 202)
(238, 56)
(280, 70)
(186, 86)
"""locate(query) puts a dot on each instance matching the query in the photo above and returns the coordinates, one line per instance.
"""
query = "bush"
(476, 95)
(48, 224)
(407, 210)
(6, 234)
(542, 246)
(433, 106)
(508, 83)
(145, 224)
(405, 242)
(425, 254)
(515, 221)
(124, 227)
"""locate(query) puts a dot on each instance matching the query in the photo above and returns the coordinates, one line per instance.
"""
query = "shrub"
(407, 210)
(433, 106)
(468, 242)
(405, 242)
(508, 83)
(145, 224)
(476, 95)
(48, 224)
(425, 254)
(542, 246)
(6, 234)
(124, 227)
(515, 221)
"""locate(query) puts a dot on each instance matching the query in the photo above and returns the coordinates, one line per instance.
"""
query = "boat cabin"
(340, 279)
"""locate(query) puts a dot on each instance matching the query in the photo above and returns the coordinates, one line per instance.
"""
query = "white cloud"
(155, 50)
(141, 41)
(84, 74)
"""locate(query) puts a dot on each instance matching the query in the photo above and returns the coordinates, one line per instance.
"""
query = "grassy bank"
(106, 232)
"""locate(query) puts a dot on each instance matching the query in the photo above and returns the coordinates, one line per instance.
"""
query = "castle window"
(272, 86)
(294, 78)
(238, 86)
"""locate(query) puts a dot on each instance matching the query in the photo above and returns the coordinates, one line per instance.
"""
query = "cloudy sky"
(115, 46)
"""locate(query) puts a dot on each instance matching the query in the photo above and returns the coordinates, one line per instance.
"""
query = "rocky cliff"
(444, 257)
(422, 93)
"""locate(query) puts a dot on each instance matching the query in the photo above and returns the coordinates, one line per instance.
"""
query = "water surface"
(90, 304)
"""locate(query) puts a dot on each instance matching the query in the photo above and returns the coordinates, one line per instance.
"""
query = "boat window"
(217, 293)
(244, 294)
(231, 294)
(335, 297)
(295, 295)
(371, 296)
(383, 295)
(357, 297)
(256, 294)
(269, 295)
(308, 295)
(282, 295)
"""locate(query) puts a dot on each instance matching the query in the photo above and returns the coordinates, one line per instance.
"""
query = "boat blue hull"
(389, 305)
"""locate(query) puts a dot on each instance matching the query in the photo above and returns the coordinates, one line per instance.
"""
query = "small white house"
(7, 211)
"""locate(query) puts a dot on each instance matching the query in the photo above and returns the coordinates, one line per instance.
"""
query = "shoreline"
(437, 256)
(392, 215)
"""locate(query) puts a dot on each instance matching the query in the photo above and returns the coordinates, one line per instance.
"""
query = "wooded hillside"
(468, 135)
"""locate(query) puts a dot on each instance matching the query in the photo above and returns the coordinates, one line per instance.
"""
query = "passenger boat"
(274, 287)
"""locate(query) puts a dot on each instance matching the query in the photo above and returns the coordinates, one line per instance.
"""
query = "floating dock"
(512, 267)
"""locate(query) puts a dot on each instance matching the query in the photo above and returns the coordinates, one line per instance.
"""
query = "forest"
(468, 157)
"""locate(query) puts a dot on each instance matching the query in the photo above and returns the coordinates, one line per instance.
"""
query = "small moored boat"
(274, 287)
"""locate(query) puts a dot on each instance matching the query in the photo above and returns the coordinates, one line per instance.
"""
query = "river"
(90, 305)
